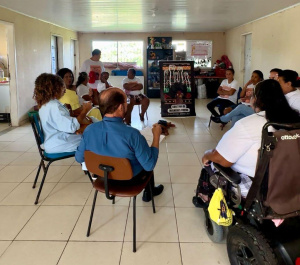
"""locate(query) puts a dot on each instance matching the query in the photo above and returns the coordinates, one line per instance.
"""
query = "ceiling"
(147, 15)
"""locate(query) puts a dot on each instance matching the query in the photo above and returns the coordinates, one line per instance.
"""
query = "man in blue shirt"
(111, 137)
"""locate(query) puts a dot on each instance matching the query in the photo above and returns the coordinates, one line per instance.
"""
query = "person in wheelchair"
(239, 147)
(263, 188)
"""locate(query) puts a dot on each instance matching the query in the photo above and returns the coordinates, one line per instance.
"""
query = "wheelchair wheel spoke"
(245, 256)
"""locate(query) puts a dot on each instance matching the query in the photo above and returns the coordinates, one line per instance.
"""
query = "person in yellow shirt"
(71, 98)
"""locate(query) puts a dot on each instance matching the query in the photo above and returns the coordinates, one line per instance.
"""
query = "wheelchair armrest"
(228, 173)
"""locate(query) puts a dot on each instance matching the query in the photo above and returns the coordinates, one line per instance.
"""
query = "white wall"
(33, 56)
(275, 43)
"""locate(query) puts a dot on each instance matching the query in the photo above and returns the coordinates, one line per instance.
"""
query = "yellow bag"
(218, 210)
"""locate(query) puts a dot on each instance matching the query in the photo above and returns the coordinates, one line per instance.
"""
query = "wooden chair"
(45, 157)
(113, 179)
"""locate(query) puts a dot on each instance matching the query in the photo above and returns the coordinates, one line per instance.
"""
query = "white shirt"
(234, 84)
(241, 143)
(293, 99)
(101, 86)
(134, 80)
(59, 128)
(82, 90)
(95, 66)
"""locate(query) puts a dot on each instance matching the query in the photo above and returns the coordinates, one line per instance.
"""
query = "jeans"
(221, 103)
(241, 111)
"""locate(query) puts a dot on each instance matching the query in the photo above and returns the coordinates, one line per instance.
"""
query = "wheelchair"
(253, 237)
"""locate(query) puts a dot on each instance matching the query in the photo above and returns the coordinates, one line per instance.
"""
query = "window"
(199, 51)
(120, 52)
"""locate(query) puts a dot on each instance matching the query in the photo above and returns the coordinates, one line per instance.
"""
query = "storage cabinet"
(158, 49)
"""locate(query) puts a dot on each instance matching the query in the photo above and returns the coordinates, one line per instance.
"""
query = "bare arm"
(222, 92)
(133, 86)
(243, 92)
(214, 156)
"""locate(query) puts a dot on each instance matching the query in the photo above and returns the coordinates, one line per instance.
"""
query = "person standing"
(93, 67)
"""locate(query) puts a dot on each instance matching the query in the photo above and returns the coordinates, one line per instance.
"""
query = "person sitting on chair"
(239, 146)
(244, 109)
(58, 126)
(133, 87)
(227, 94)
(111, 137)
(71, 98)
(83, 91)
(103, 84)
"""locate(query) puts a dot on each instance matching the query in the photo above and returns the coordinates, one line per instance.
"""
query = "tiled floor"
(54, 231)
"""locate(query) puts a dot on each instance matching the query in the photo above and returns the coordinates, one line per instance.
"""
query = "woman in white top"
(227, 94)
(61, 131)
(83, 91)
(244, 109)
(238, 148)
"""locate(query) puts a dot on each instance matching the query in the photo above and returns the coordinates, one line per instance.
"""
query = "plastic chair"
(50, 158)
(112, 174)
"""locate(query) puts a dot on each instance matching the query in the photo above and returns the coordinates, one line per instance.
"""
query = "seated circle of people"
(133, 86)
(83, 91)
(227, 94)
(243, 109)
(289, 83)
(239, 146)
(61, 131)
(111, 137)
(103, 84)
(71, 99)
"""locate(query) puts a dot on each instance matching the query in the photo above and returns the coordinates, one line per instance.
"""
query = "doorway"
(8, 84)
(74, 58)
(247, 56)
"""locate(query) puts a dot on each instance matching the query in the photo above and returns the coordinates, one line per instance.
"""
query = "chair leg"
(37, 174)
(146, 115)
(134, 224)
(92, 214)
(114, 200)
(152, 199)
(42, 183)
(90, 177)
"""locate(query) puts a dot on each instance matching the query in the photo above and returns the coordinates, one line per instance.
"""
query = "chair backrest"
(277, 179)
(238, 95)
(122, 167)
(37, 129)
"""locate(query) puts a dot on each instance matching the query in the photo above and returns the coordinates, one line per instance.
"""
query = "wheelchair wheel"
(246, 245)
(214, 231)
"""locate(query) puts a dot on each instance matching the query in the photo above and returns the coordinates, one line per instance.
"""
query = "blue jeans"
(241, 111)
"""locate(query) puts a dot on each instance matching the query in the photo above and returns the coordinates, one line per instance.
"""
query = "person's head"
(274, 73)
(230, 74)
(67, 75)
(113, 102)
(256, 77)
(48, 87)
(104, 76)
(288, 80)
(269, 97)
(83, 78)
(96, 55)
(131, 73)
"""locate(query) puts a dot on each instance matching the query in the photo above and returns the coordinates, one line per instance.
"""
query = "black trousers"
(221, 103)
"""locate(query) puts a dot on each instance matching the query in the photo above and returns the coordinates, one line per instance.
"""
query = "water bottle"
(1, 74)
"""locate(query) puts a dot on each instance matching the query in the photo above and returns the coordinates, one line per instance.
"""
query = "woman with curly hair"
(58, 126)
(72, 99)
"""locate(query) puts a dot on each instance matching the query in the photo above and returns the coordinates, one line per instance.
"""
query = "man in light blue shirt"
(111, 137)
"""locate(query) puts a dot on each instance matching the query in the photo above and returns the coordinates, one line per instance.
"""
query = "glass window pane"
(131, 52)
(108, 50)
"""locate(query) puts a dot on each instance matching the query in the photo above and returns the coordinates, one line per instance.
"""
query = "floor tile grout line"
(123, 241)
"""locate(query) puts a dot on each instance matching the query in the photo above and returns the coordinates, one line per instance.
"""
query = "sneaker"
(218, 120)
(157, 190)
(199, 203)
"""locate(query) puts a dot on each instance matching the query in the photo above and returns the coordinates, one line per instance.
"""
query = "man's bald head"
(111, 99)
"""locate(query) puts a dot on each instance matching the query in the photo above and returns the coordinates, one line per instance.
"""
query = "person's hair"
(270, 98)
(110, 100)
(231, 69)
(259, 73)
(63, 71)
(132, 70)
(47, 87)
(277, 70)
(290, 76)
(96, 52)
(81, 78)
(104, 73)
